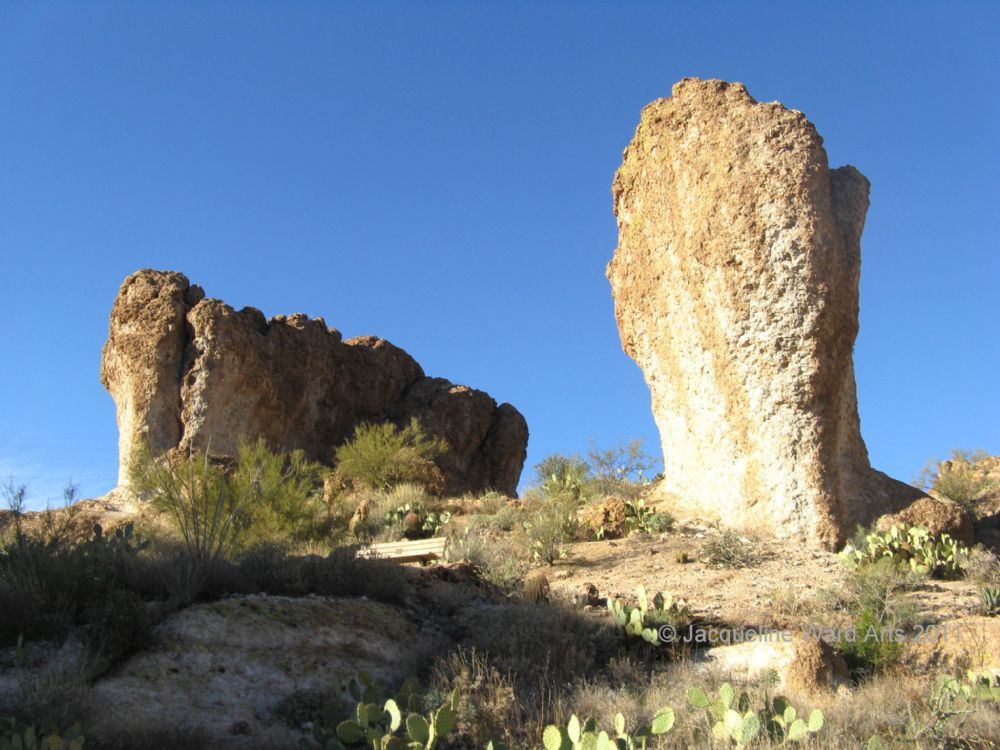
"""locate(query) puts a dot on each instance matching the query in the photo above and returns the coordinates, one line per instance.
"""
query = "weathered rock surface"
(188, 371)
(802, 663)
(735, 283)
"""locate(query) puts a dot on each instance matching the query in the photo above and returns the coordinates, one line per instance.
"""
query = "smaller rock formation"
(604, 518)
(187, 371)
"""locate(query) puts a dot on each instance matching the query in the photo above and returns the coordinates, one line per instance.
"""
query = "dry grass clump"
(730, 549)
(497, 559)
(541, 644)
(983, 567)
(489, 708)
(550, 525)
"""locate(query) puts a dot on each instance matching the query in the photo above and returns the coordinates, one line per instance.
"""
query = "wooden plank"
(420, 550)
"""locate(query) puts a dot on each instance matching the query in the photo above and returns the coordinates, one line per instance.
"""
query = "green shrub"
(623, 470)
(199, 499)
(279, 494)
(870, 645)
(871, 648)
(561, 472)
(550, 526)
(989, 597)
(963, 485)
(266, 495)
(380, 456)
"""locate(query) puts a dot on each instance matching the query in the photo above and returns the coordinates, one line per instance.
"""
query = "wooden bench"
(419, 550)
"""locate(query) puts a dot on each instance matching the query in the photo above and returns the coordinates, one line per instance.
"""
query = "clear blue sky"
(439, 174)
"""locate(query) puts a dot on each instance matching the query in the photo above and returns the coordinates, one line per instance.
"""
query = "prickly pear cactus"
(735, 722)
(586, 735)
(649, 618)
(17, 736)
(398, 723)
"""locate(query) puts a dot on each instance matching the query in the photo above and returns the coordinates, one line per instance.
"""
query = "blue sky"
(439, 174)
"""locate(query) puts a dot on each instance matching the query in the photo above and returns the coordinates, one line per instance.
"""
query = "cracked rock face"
(735, 283)
(188, 371)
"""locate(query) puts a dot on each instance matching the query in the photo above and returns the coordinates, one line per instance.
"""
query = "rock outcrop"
(937, 516)
(231, 669)
(735, 283)
(189, 371)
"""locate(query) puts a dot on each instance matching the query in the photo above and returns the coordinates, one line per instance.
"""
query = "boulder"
(937, 516)
(735, 284)
(186, 371)
(802, 664)
(604, 518)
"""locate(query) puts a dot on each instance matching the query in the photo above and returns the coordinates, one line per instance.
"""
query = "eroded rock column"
(735, 283)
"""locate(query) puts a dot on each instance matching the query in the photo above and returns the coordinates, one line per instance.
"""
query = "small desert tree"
(278, 494)
(624, 468)
(196, 495)
(380, 456)
(559, 474)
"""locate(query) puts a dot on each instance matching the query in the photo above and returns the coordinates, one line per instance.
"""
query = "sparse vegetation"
(560, 473)
(622, 470)
(496, 559)
(872, 642)
(520, 668)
